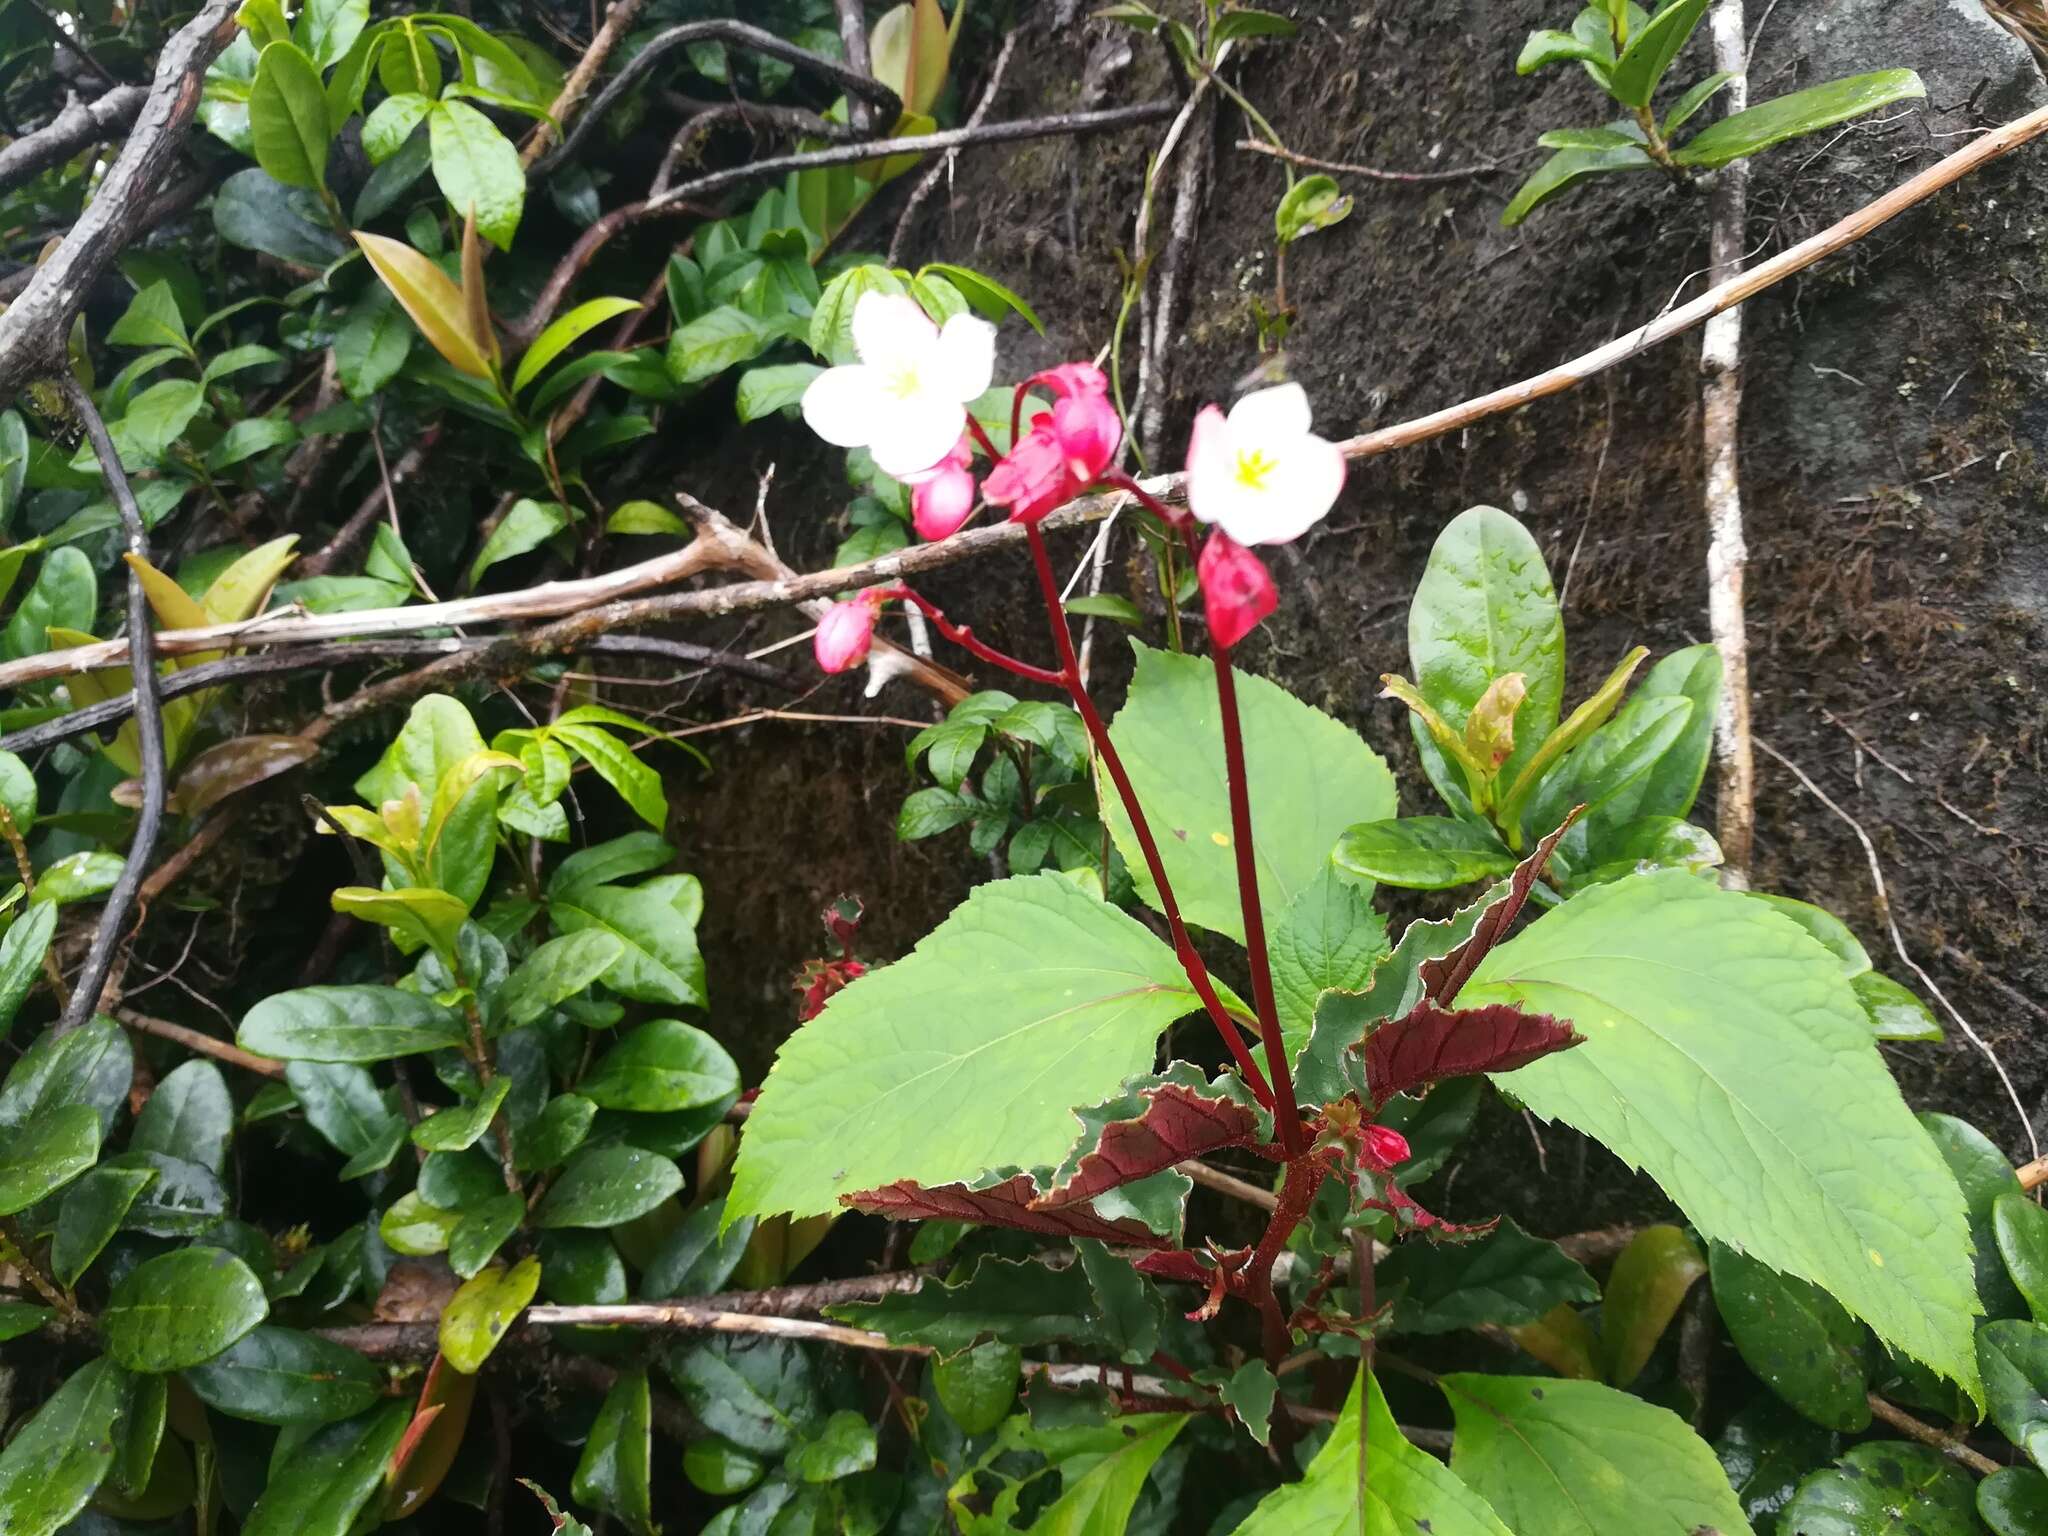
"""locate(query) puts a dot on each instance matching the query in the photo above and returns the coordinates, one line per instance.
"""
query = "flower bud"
(1089, 431)
(942, 498)
(846, 631)
(1033, 477)
(1385, 1146)
(1237, 592)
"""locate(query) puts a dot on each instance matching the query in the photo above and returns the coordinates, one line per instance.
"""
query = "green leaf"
(998, 1299)
(1585, 138)
(1672, 781)
(1406, 1489)
(1550, 46)
(698, 1258)
(335, 1471)
(1566, 169)
(91, 1214)
(436, 307)
(528, 525)
(22, 949)
(477, 169)
(637, 784)
(14, 454)
(965, 1054)
(65, 595)
(181, 1309)
(327, 29)
(351, 1024)
(604, 1186)
(1423, 853)
(1312, 203)
(1099, 1502)
(1683, 110)
(714, 342)
(1506, 1277)
(183, 1200)
(2014, 1502)
(247, 438)
(1787, 117)
(288, 118)
(645, 517)
(989, 298)
(386, 129)
(1329, 938)
(256, 211)
(1894, 1012)
(484, 1227)
(2014, 1358)
(2021, 1230)
(189, 1115)
(549, 1137)
(831, 333)
(152, 320)
(1131, 1311)
(555, 972)
(78, 877)
(1885, 1488)
(843, 1445)
(62, 1454)
(92, 1066)
(655, 921)
(1310, 778)
(613, 1474)
(1484, 608)
(1647, 1286)
(603, 863)
(564, 333)
(1796, 1338)
(416, 1227)
(48, 1151)
(418, 914)
(18, 1319)
(1767, 1450)
(661, 1066)
(483, 1309)
(755, 1393)
(1983, 1174)
(344, 1104)
(1575, 1458)
(1651, 49)
(764, 391)
(1715, 1033)
(1537, 799)
(280, 1376)
(977, 1388)
(462, 1127)
(372, 344)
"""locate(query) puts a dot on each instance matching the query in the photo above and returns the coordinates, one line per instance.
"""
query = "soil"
(1892, 468)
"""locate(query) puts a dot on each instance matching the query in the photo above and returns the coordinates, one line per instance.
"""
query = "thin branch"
(1721, 427)
(1370, 172)
(197, 1040)
(944, 168)
(79, 125)
(738, 34)
(1229, 1184)
(85, 991)
(1891, 923)
(1927, 1434)
(617, 18)
(372, 507)
(36, 327)
(853, 37)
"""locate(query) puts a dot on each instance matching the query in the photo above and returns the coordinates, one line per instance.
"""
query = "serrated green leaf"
(1310, 778)
(1329, 938)
(1722, 1051)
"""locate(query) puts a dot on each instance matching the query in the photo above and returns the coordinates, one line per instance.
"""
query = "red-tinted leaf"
(1432, 1043)
(1176, 1120)
(1442, 978)
(428, 1448)
(1008, 1204)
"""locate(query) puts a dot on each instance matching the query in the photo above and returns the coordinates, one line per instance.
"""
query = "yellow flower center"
(901, 381)
(1252, 469)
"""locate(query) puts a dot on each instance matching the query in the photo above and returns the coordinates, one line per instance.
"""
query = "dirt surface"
(1892, 457)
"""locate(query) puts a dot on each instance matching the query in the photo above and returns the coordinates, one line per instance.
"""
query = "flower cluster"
(1258, 475)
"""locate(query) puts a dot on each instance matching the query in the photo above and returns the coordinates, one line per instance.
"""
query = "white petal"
(845, 406)
(1268, 417)
(889, 330)
(1219, 496)
(967, 357)
(915, 433)
(1299, 491)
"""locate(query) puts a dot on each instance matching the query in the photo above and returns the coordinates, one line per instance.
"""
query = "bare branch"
(853, 37)
(35, 327)
(1369, 172)
(80, 124)
(617, 19)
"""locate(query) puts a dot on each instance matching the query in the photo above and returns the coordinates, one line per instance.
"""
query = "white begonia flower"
(905, 401)
(1259, 473)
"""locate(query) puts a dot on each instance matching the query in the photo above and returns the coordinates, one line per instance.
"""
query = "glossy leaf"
(92, 1066)
(463, 1125)
(2014, 1356)
(1099, 1502)
(46, 1152)
(1010, 1302)
(280, 1376)
(335, 1471)
(288, 117)
(977, 1388)
(555, 972)
(181, 1309)
(1884, 1487)
(65, 595)
(526, 525)
(1310, 778)
(655, 922)
(189, 1115)
(1767, 1450)
(1722, 1050)
(604, 1186)
(482, 1310)
(1802, 112)
(348, 1024)
(613, 1474)
(1406, 1489)
(55, 1461)
(1312, 203)
(1330, 936)
(2014, 1502)
(872, 1090)
(1983, 1174)
(1426, 853)
(1575, 1458)
(92, 1212)
(2020, 1228)
(564, 332)
(1649, 1283)
(1506, 1277)
(22, 949)
(1566, 169)
(662, 1065)
(477, 169)
(1651, 49)
(21, 1318)
(1796, 1338)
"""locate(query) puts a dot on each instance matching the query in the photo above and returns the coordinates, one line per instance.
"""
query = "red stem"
(1113, 764)
(1159, 509)
(1287, 1114)
(980, 435)
(964, 637)
(1297, 1190)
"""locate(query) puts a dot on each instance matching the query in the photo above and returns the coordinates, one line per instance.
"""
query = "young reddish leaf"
(1160, 1122)
(1442, 978)
(1010, 1203)
(427, 1449)
(1432, 1043)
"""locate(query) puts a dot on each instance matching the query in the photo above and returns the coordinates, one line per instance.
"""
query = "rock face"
(1892, 453)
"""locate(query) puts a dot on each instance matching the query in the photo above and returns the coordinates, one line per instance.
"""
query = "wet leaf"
(280, 1376)
(181, 1309)
(483, 1310)
(1649, 1283)
(1505, 1277)
(614, 1472)
(335, 1471)
(2021, 1230)
(55, 1461)
(1885, 1488)
(46, 1152)
(603, 1186)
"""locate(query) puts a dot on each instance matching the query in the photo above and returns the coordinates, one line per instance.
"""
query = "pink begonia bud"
(942, 497)
(1033, 477)
(1385, 1146)
(1089, 431)
(846, 631)
(1072, 381)
(1236, 590)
